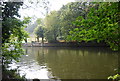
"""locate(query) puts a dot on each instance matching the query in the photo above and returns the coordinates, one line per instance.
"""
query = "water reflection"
(68, 63)
(88, 63)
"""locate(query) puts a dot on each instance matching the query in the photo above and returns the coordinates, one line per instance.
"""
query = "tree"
(68, 13)
(52, 26)
(101, 25)
(9, 14)
(13, 31)
(39, 31)
(59, 23)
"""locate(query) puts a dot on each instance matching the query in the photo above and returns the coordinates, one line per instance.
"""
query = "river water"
(67, 63)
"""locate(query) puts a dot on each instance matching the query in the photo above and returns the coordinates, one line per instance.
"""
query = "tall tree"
(9, 20)
(101, 25)
(12, 31)
(69, 13)
(39, 31)
(52, 26)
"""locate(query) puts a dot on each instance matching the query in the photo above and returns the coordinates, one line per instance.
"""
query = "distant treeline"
(82, 21)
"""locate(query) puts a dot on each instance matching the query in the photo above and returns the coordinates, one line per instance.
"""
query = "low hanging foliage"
(100, 24)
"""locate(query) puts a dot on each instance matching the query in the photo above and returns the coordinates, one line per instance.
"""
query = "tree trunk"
(26, 40)
(38, 39)
(42, 39)
(55, 36)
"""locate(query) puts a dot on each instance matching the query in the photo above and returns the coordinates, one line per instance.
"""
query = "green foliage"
(26, 21)
(100, 24)
(9, 14)
(115, 77)
(39, 21)
(52, 26)
(59, 23)
(13, 32)
(10, 9)
(69, 13)
(39, 31)
(11, 51)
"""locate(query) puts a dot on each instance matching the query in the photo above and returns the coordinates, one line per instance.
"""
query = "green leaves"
(99, 24)
(13, 32)
(11, 51)
(26, 20)
(39, 31)
(52, 25)
(115, 77)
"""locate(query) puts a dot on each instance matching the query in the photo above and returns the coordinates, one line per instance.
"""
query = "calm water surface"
(67, 63)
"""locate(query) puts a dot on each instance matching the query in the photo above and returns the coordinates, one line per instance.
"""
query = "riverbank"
(65, 44)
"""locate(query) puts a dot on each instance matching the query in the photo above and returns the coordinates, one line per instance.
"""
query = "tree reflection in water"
(82, 63)
(67, 63)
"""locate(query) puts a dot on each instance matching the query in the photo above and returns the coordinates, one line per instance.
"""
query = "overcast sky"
(36, 11)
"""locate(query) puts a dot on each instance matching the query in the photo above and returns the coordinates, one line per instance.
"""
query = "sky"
(36, 11)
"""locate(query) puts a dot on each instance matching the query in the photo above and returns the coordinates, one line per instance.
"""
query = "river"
(67, 63)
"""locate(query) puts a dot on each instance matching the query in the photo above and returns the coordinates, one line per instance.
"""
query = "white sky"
(57, 4)
(36, 11)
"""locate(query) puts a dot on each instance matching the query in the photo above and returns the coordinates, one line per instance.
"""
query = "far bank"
(66, 44)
